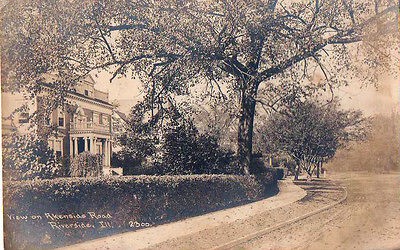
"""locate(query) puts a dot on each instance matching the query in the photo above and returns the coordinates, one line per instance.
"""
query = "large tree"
(174, 45)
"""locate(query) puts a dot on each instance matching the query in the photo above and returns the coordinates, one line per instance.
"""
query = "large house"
(84, 124)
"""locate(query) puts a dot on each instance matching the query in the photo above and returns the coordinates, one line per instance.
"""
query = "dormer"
(86, 87)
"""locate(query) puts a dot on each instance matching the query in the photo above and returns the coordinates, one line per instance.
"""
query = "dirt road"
(369, 219)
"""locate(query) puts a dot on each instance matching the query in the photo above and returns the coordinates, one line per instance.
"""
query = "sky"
(126, 91)
(381, 100)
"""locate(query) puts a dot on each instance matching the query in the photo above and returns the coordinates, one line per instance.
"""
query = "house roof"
(90, 98)
(80, 95)
(121, 115)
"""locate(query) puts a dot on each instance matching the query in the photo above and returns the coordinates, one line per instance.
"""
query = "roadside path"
(320, 193)
(155, 236)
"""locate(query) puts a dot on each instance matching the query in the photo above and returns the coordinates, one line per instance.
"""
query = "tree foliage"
(189, 152)
(170, 144)
(25, 157)
(311, 133)
(218, 118)
(174, 45)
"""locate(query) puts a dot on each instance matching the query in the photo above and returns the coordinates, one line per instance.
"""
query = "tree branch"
(338, 38)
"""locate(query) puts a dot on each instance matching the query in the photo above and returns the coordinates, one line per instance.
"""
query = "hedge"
(128, 200)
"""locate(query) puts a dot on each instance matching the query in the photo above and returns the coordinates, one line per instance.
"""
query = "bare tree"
(173, 45)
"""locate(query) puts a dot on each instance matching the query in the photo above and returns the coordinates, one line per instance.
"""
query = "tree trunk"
(310, 171)
(319, 169)
(297, 172)
(245, 129)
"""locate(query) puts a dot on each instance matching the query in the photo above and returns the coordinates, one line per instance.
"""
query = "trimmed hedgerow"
(143, 199)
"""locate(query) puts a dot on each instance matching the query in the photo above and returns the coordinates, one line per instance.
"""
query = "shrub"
(129, 164)
(26, 157)
(280, 173)
(291, 166)
(145, 168)
(257, 164)
(277, 173)
(65, 167)
(149, 199)
(268, 182)
(188, 152)
(183, 152)
(87, 165)
(169, 143)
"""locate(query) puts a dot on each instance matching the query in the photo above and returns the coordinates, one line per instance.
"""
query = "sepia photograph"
(200, 124)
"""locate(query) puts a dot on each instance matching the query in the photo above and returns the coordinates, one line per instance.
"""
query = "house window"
(96, 118)
(23, 117)
(47, 121)
(51, 144)
(58, 148)
(105, 120)
(61, 119)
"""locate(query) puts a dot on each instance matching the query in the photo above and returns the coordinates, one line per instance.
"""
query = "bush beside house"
(26, 157)
(87, 165)
(143, 199)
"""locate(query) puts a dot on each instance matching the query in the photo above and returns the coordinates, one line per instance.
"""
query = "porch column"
(62, 147)
(85, 143)
(92, 145)
(105, 151)
(75, 146)
(108, 152)
(71, 147)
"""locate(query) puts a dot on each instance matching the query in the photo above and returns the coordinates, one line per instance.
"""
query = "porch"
(93, 144)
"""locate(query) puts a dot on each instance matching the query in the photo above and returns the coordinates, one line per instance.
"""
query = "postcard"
(198, 124)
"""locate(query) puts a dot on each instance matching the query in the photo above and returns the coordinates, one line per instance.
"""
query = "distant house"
(84, 124)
